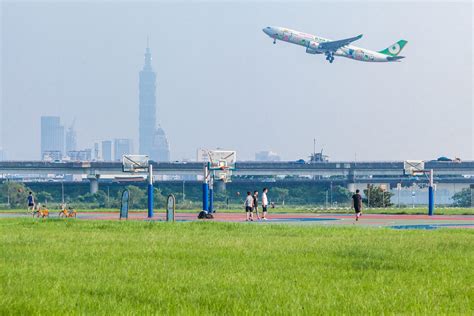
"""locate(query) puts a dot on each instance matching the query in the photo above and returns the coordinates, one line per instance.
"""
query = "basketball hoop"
(417, 167)
(135, 163)
(219, 166)
(411, 167)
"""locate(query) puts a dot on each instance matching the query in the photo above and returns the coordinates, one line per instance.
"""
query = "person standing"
(255, 203)
(357, 204)
(249, 207)
(31, 202)
(264, 204)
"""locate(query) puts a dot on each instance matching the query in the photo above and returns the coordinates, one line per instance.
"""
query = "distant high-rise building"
(152, 141)
(3, 154)
(52, 135)
(52, 155)
(107, 150)
(147, 106)
(71, 139)
(122, 146)
(267, 156)
(201, 155)
(80, 155)
(161, 147)
(96, 155)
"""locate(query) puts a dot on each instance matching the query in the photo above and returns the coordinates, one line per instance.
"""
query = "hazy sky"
(222, 83)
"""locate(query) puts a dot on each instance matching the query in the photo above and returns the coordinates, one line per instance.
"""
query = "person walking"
(31, 202)
(264, 204)
(249, 207)
(255, 203)
(357, 204)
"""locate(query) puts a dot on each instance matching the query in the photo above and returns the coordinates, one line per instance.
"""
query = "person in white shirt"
(264, 204)
(249, 207)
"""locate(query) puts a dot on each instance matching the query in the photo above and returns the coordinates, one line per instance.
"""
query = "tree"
(159, 200)
(281, 194)
(463, 198)
(341, 194)
(376, 196)
(44, 197)
(14, 193)
(137, 197)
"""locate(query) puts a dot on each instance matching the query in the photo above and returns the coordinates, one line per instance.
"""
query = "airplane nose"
(267, 30)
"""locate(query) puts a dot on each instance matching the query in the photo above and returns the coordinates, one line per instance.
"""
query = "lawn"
(112, 267)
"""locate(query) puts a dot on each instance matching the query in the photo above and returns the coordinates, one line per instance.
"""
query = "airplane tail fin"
(394, 49)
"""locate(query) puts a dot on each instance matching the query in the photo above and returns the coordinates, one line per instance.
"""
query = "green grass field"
(111, 267)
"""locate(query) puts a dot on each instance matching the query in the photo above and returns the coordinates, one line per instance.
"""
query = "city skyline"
(208, 86)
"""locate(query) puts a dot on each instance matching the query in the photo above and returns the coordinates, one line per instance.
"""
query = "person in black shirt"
(357, 204)
(255, 203)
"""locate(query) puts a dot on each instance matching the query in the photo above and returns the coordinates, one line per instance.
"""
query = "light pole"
(399, 188)
(8, 193)
(326, 199)
(368, 195)
(383, 198)
(62, 191)
(331, 193)
(184, 194)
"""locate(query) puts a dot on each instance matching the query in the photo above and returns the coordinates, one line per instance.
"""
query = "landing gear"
(330, 57)
(274, 40)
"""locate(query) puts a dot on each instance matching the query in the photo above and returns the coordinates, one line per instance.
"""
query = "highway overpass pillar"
(351, 187)
(220, 186)
(472, 195)
(93, 183)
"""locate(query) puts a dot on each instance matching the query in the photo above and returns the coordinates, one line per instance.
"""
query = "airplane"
(330, 48)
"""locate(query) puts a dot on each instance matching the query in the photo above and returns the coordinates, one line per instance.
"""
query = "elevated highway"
(351, 174)
(346, 169)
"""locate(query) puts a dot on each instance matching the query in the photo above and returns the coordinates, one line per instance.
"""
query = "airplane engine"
(312, 51)
(312, 48)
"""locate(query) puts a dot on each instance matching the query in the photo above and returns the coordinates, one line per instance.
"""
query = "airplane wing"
(335, 45)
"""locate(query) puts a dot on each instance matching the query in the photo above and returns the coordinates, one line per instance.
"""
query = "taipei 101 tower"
(156, 148)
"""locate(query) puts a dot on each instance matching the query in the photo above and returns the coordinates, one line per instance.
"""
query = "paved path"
(369, 220)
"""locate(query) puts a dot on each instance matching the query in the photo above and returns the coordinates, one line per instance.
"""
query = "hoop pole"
(211, 194)
(211, 200)
(150, 191)
(205, 190)
(431, 195)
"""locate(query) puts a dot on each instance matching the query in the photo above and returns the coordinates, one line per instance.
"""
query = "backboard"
(135, 163)
(222, 159)
(224, 175)
(413, 166)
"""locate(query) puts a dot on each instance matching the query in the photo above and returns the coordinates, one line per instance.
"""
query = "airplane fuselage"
(311, 43)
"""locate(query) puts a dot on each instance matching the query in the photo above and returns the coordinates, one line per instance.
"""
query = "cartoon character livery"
(319, 45)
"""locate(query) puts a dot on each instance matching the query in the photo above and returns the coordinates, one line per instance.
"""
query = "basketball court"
(369, 220)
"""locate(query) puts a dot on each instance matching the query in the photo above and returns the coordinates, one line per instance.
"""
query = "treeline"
(188, 193)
